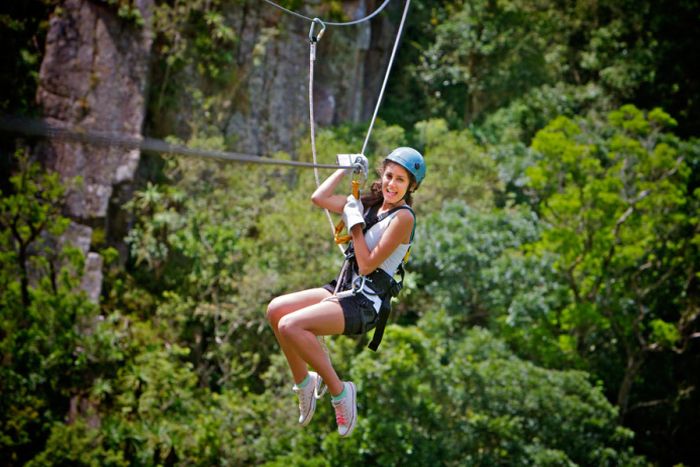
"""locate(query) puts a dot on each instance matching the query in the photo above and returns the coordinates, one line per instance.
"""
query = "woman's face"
(395, 182)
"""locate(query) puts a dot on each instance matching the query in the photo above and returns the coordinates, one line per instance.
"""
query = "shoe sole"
(312, 409)
(353, 421)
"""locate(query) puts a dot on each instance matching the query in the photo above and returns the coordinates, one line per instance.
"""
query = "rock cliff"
(95, 77)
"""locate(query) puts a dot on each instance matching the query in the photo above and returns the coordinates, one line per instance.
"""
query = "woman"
(298, 318)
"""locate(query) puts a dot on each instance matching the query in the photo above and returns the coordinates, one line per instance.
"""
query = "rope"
(349, 23)
(312, 59)
(34, 127)
(313, 40)
(386, 76)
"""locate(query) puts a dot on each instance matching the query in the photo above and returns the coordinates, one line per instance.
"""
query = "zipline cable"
(386, 76)
(40, 128)
(349, 23)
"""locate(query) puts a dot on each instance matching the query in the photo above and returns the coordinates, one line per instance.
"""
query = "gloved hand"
(352, 212)
(361, 164)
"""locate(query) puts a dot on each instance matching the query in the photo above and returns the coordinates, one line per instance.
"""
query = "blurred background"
(550, 311)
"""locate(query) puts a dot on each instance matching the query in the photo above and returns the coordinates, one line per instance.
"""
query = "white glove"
(361, 163)
(352, 213)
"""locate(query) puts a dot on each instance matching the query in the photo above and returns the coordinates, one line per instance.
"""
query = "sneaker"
(346, 410)
(307, 398)
(321, 388)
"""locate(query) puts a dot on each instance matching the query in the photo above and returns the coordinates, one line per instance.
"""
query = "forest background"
(550, 310)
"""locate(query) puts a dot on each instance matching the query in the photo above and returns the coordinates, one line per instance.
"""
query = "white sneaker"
(346, 410)
(307, 398)
(321, 388)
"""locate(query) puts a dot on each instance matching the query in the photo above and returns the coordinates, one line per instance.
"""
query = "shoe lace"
(303, 396)
(340, 414)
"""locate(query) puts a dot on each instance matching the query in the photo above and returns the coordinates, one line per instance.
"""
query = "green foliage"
(615, 199)
(470, 59)
(471, 403)
(194, 64)
(207, 39)
(458, 168)
(474, 268)
(152, 412)
(486, 53)
(23, 28)
(44, 319)
(128, 10)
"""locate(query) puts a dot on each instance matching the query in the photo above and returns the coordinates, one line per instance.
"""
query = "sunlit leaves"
(614, 197)
(458, 168)
(473, 404)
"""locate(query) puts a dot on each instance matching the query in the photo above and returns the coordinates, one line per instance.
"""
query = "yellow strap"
(340, 239)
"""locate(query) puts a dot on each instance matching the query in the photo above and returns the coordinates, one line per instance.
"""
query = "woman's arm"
(323, 196)
(398, 232)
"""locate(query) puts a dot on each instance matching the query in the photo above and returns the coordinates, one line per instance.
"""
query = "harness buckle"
(356, 287)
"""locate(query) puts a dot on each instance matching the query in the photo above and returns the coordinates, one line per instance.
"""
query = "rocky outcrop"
(93, 77)
(270, 109)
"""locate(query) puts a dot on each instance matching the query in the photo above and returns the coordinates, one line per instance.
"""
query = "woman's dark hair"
(375, 196)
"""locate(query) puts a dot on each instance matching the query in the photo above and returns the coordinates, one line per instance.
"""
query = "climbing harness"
(378, 283)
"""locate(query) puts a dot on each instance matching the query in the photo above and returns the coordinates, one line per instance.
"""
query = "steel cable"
(40, 128)
(348, 23)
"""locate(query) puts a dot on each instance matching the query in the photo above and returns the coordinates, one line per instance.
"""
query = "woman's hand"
(352, 213)
(398, 232)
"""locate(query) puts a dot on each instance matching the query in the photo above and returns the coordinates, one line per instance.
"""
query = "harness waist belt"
(382, 283)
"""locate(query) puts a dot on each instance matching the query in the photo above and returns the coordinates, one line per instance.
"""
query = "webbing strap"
(372, 218)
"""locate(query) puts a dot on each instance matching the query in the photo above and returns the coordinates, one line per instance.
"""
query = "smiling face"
(395, 182)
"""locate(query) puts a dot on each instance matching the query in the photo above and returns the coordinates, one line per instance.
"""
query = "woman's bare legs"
(299, 331)
(297, 319)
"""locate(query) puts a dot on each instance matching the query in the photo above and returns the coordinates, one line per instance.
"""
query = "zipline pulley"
(359, 177)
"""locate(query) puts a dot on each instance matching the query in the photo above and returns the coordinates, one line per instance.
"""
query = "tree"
(447, 400)
(458, 168)
(624, 227)
(42, 312)
(486, 53)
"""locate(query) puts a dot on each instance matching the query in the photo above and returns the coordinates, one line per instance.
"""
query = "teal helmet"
(411, 160)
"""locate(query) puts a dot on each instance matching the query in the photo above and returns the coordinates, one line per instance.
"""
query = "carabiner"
(358, 284)
(313, 39)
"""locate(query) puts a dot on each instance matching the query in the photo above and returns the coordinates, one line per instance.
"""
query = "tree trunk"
(634, 363)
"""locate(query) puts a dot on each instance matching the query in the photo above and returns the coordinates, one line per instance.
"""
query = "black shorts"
(358, 310)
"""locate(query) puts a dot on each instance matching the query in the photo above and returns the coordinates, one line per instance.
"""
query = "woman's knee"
(287, 325)
(275, 311)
